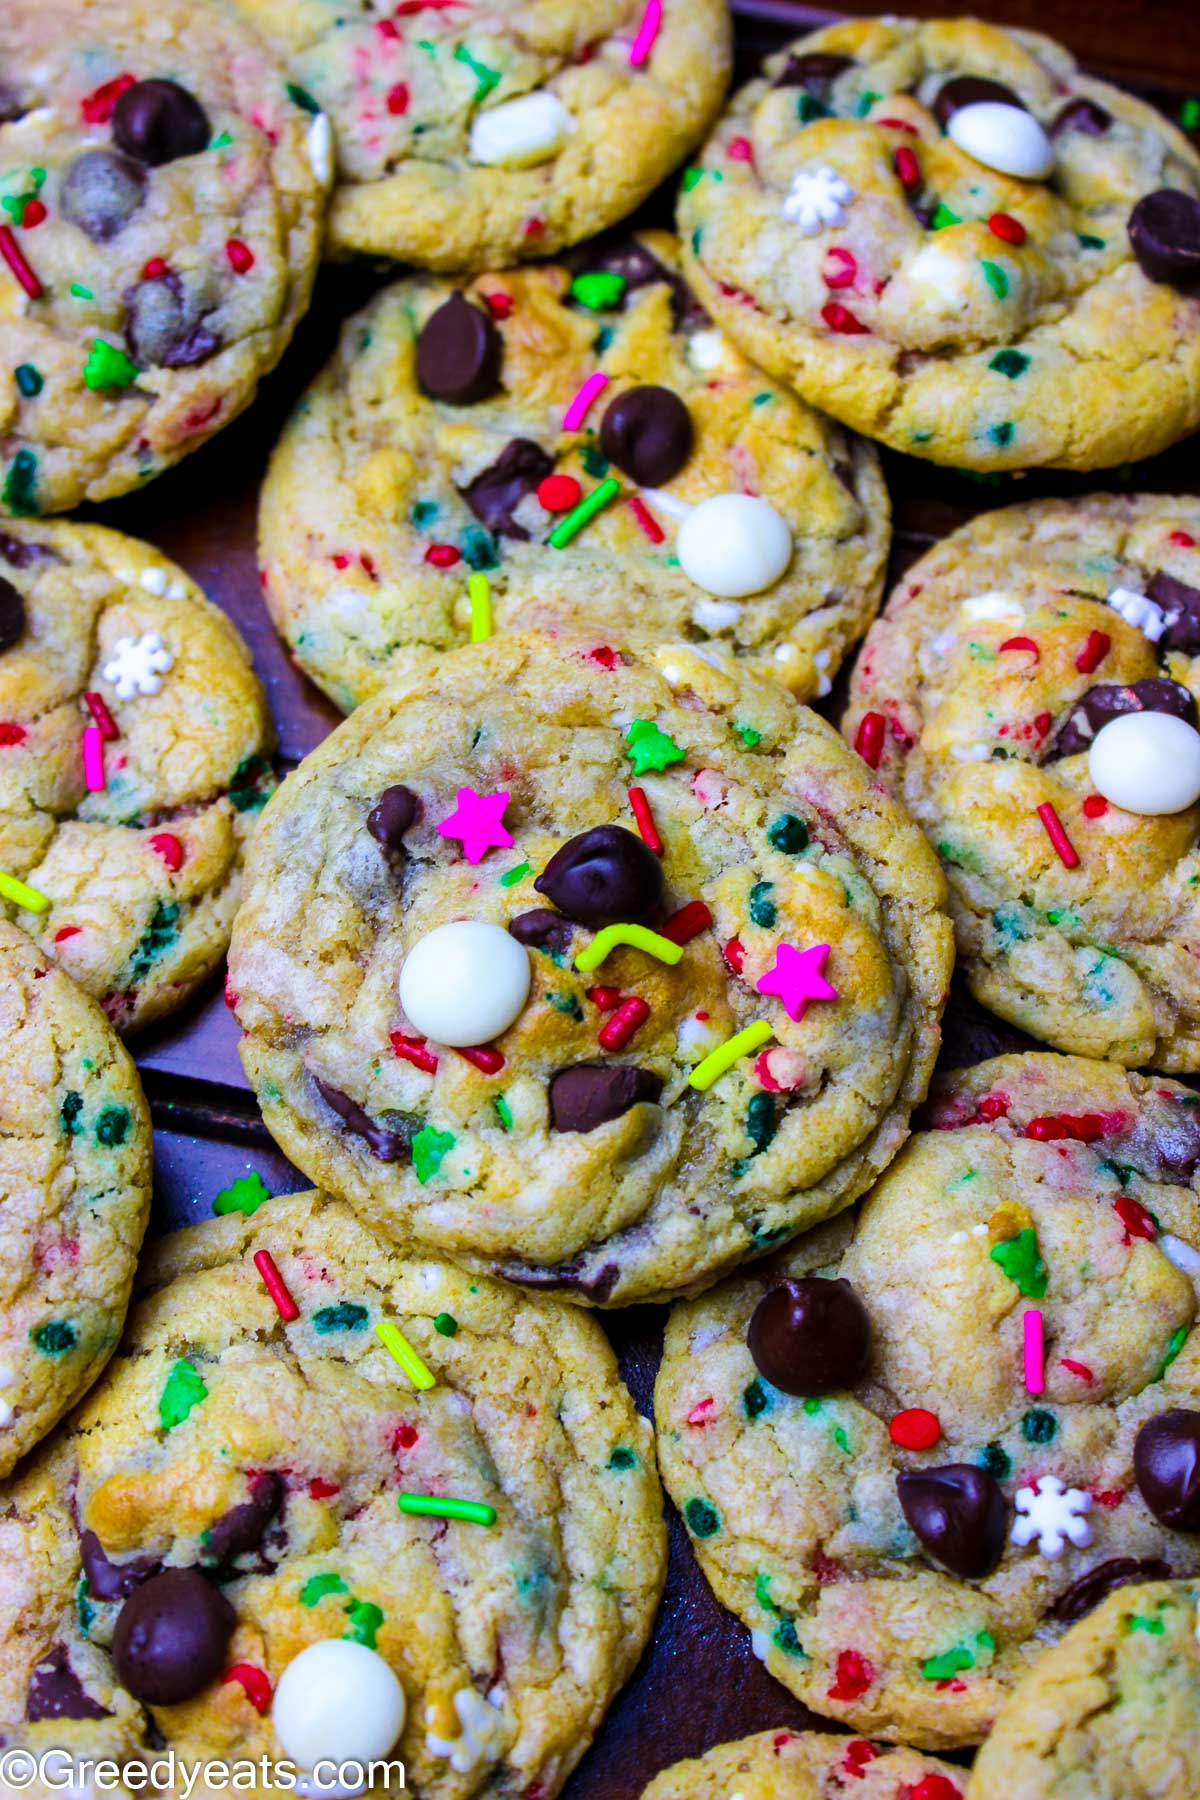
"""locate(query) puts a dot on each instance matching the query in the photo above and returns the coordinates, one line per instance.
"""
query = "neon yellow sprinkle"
(743, 1043)
(480, 594)
(20, 895)
(637, 936)
(395, 1342)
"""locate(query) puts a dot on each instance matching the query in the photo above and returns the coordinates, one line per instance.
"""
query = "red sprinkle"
(64, 932)
(108, 725)
(1078, 1368)
(740, 149)
(321, 1489)
(734, 953)
(33, 214)
(868, 739)
(898, 125)
(604, 997)
(839, 318)
(499, 304)
(933, 1787)
(533, 228)
(168, 846)
(1054, 831)
(858, 1755)
(481, 1057)
(255, 1682)
(559, 493)
(16, 262)
(915, 1429)
(640, 808)
(992, 1106)
(443, 556)
(1136, 1220)
(1022, 643)
(1109, 1497)
(1083, 1128)
(1005, 227)
(696, 1416)
(413, 1050)
(1183, 538)
(1094, 652)
(846, 271)
(687, 923)
(97, 107)
(11, 734)
(624, 1024)
(339, 560)
(241, 257)
(155, 269)
(854, 1676)
(604, 657)
(273, 1281)
(404, 1437)
(646, 519)
(1095, 806)
(907, 168)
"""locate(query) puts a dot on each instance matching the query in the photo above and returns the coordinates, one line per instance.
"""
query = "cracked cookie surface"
(806, 1765)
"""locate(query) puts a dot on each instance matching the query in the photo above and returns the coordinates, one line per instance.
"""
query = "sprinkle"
(647, 31)
(443, 556)
(575, 414)
(1058, 837)
(433, 1507)
(1094, 652)
(645, 820)
(623, 1024)
(650, 748)
(93, 759)
(908, 169)
(1020, 1259)
(503, 1112)
(246, 1195)
(479, 593)
(1035, 1355)
(255, 1683)
(587, 509)
(740, 149)
(599, 291)
(646, 519)
(511, 877)
(844, 273)
(604, 997)
(839, 318)
(559, 493)
(107, 366)
(1022, 643)
(482, 1057)
(475, 821)
(1010, 363)
(1183, 538)
(397, 99)
(168, 846)
(239, 256)
(996, 279)
(274, 1283)
(688, 922)
(1095, 806)
(942, 217)
(1189, 113)
(16, 891)
(868, 739)
(1006, 228)
(915, 1429)
(11, 253)
(97, 107)
(715, 1064)
(79, 292)
(105, 723)
(796, 977)
(485, 78)
(183, 1389)
(636, 936)
(28, 379)
(430, 1148)
(398, 1346)
(1078, 1369)
(413, 1050)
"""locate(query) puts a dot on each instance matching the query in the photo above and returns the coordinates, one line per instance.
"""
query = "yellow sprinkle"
(637, 936)
(743, 1043)
(395, 1342)
(20, 895)
(480, 595)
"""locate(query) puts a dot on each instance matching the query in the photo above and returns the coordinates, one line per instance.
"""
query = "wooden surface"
(698, 1683)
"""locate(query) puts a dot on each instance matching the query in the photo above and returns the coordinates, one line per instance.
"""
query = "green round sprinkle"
(424, 512)
(1002, 434)
(183, 1389)
(702, 1520)
(594, 462)
(574, 521)
(245, 1195)
(808, 108)
(1189, 113)
(112, 1127)
(789, 834)
(761, 1124)
(479, 549)
(755, 1399)
(996, 1460)
(623, 1458)
(432, 1506)
(447, 1324)
(28, 380)
(763, 910)
(348, 1315)
(1039, 1426)
(317, 1586)
(996, 279)
(748, 735)
(942, 216)
(1009, 362)
(253, 780)
(598, 291)
(949, 1664)
(69, 1113)
(20, 484)
(55, 1338)
(107, 366)
(784, 1636)
(690, 178)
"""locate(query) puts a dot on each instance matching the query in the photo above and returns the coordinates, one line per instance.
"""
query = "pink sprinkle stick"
(1035, 1355)
(577, 411)
(647, 31)
(93, 758)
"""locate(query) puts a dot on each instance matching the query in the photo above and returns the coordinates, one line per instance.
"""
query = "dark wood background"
(698, 1684)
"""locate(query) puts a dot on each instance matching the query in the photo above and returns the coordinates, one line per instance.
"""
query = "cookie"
(74, 1192)
(163, 203)
(133, 740)
(469, 142)
(1111, 1713)
(596, 974)
(1008, 289)
(249, 1541)
(433, 447)
(926, 1439)
(988, 698)
(806, 1765)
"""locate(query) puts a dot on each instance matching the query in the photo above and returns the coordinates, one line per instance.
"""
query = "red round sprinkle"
(1094, 652)
(1022, 643)
(1137, 1221)
(915, 1429)
(734, 953)
(687, 923)
(64, 932)
(858, 1755)
(839, 318)
(97, 107)
(533, 228)
(339, 560)
(155, 269)
(559, 493)
(854, 1676)
(255, 1683)
(845, 270)
(274, 1283)
(443, 556)
(1183, 538)
(412, 1050)
(11, 734)
(740, 149)
(404, 1437)
(499, 304)
(321, 1489)
(604, 656)
(623, 1024)
(604, 997)
(1095, 806)
(1008, 229)
(934, 1787)
(1109, 1497)
(397, 99)
(168, 846)
(907, 167)
(387, 30)
(868, 739)
(33, 214)
(992, 1106)
(241, 257)
(481, 1057)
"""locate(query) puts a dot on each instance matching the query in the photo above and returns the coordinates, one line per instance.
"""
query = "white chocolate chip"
(1002, 137)
(465, 982)
(716, 615)
(320, 149)
(518, 134)
(705, 349)
(340, 1701)
(154, 581)
(1147, 763)
(733, 545)
(1001, 609)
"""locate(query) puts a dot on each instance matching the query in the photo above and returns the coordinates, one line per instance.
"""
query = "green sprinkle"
(54, 1338)
(755, 1399)
(996, 1460)
(942, 216)
(503, 1112)
(949, 1664)
(1087, 242)
(446, 1324)
(1039, 1426)
(317, 1586)
(789, 833)
(864, 103)
(623, 1458)
(365, 1619)
(158, 936)
(748, 735)
(840, 1438)
(996, 279)
(784, 1636)
(511, 877)
(347, 1315)
(485, 78)
(433, 1507)
(112, 1127)
(602, 339)
(762, 399)
(690, 178)
(245, 1195)
(598, 291)
(762, 1591)
(301, 97)
(567, 1004)
(28, 380)
(80, 292)
(650, 748)
(479, 549)
(429, 1149)
(1019, 1259)
(108, 367)
(594, 462)
(1009, 362)
(808, 108)
(20, 484)
(184, 1389)
(761, 1124)
(703, 1520)
(252, 783)
(222, 141)
(812, 1407)
(424, 512)
(1189, 113)
(763, 910)
(69, 1112)
(1137, 1622)
(85, 1612)
(1002, 434)
(1175, 1344)
(574, 521)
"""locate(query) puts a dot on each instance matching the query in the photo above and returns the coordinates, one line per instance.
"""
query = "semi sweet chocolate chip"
(12, 615)
(1181, 606)
(458, 353)
(638, 267)
(386, 1143)
(170, 1637)
(164, 326)
(970, 90)
(602, 877)
(1098, 1583)
(241, 1529)
(100, 193)
(815, 73)
(396, 809)
(113, 1581)
(1154, 693)
(1164, 230)
(158, 121)
(56, 1692)
(958, 1512)
(810, 1336)
(597, 1287)
(541, 929)
(494, 495)
(591, 1094)
(1083, 116)
(23, 553)
(1166, 1466)
(647, 432)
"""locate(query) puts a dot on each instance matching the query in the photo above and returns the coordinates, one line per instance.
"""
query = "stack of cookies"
(584, 964)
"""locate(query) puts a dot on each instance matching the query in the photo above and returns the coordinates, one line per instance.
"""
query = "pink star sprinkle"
(796, 977)
(476, 821)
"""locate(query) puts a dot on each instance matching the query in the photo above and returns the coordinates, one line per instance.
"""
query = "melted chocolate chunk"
(243, 1527)
(113, 1581)
(158, 121)
(1155, 693)
(810, 1336)
(647, 432)
(56, 1692)
(1164, 230)
(815, 73)
(602, 877)
(23, 553)
(458, 353)
(597, 1287)
(1098, 1583)
(396, 810)
(638, 267)
(496, 492)
(12, 615)
(958, 1512)
(100, 193)
(170, 1637)
(387, 1143)
(970, 90)
(1083, 116)
(164, 326)
(1166, 1466)
(590, 1094)
(541, 929)
(1181, 607)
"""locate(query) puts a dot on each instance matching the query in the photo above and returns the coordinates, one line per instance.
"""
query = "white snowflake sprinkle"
(137, 665)
(1139, 611)
(481, 1737)
(817, 198)
(1052, 1514)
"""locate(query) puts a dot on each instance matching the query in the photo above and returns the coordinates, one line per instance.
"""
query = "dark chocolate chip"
(170, 1637)
(496, 492)
(12, 615)
(597, 1287)
(1098, 1583)
(397, 808)
(591, 1094)
(1181, 608)
(647, 432)
(638, 267)
(1154, 693)
(100, 193)
(1083, 116)
(109, 1580)
(242, 1528)
(971, 90)
(541, 929)
(158, 121)
(815, 73)
(458, 353)
(603, 877)
(164, 326)
(386, 1143)
(23, 553)
(1166, 1465)
(1164, 230)
(56, 1692)
(810, 1336)
(958, 1512)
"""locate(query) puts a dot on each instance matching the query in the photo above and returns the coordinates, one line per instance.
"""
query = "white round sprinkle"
(519, 133)
(733, 545)
(1005, 138)
(320, 149)
(464, 983)
(339, 1701)
(1147, 762)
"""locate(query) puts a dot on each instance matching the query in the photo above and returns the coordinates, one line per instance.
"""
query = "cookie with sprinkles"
(134, 741)
(471, 135)
(1029, 693)
(599, 973)
(163, 199)
(74, 1192)
(262, 1537)
(807, 1765)
(585, 443)
(1111, 1713)
(918, 1445)
(954, 240)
